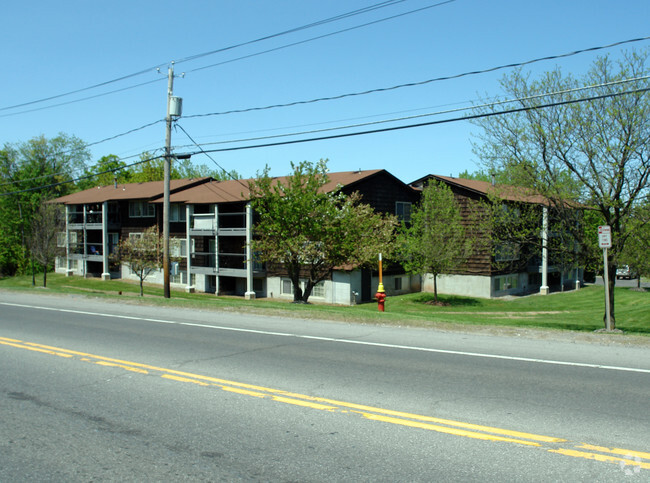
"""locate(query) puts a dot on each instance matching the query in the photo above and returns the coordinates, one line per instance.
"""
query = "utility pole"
(168, 143)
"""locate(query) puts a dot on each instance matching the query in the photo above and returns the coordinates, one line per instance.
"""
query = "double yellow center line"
(629, 459)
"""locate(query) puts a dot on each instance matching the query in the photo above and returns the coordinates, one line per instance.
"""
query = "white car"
(624, 271)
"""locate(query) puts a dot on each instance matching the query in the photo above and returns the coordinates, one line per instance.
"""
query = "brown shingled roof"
(505, 192)
(237, 190)
(128, 191)
(196, 191)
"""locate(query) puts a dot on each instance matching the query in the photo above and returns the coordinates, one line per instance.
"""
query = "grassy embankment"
(574, 310)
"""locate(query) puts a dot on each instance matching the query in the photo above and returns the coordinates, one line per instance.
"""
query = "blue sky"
(50, 48)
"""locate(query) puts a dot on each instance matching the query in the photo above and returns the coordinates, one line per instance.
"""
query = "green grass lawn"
(580, 310)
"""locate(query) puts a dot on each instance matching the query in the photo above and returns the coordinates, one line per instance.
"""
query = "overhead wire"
(371, 91)
(423, 82)
(362, 133)
(295, 29)
(300, 42)
(84, 98)
(437, 113)
(207, 154)
(432, 123)
(412, 84)
(352, 13)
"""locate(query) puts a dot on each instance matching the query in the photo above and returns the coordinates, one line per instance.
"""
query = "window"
(403, 211)
(60, 239)
(177, 212)
(506, 252)
(141, 209)
(398, 283)
(180, 277)
(178, 247)
(319, 289)
(506, 282)
(135, 235)
(113, 242)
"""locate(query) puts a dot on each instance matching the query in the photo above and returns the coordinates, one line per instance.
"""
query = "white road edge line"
(343, 341)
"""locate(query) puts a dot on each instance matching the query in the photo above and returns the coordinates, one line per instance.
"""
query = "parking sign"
(604, 236)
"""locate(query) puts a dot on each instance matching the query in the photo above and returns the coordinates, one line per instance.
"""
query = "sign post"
(605, 242)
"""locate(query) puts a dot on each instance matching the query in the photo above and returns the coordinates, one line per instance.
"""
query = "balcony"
(232, 223)
(92, 219)
(202, 224)
(233, 264)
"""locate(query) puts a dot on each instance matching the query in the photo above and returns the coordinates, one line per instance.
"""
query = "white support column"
(68, 271)
(189, 214)
(106, 273)
(544, 288)
(250, 293)
(216, 249)
(84, 239)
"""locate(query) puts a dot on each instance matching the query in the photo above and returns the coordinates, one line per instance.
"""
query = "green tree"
(143, 254)
(105, 172)
(30, 172)
(436, 240)
(309, 231)
(594, 152)
(186, 170)
(151, 168)
(47, 223)
(637, 248)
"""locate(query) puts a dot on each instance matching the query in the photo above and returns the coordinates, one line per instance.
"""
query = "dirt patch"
(437, 303)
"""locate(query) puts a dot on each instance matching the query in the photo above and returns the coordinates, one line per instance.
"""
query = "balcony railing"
(204, 259)
(235, 261)
(232, 221)
(77, 218)
(203, 222)
(227, 261)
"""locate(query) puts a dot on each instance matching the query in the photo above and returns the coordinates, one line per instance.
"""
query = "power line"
(80, 178)
(322, 36)
(437, 113)
(362, 133)
(81, 99)
(192, 57)
(296, 29)
(208, 155)
(419, 83)
(83, 89)
(431, 123)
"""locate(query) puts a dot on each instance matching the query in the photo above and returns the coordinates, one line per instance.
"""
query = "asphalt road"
(623, 282)
(106, 392)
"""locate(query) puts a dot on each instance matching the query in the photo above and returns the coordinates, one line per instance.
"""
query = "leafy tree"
(143, 254)
(637, 248)
(186, 169)
(47, 222)
(436, 240)
(594, 152)
(151, 168)
(309, 231)
(105, 172)
(31, 172)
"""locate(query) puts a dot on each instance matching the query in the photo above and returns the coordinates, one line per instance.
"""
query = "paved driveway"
(626, 283)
